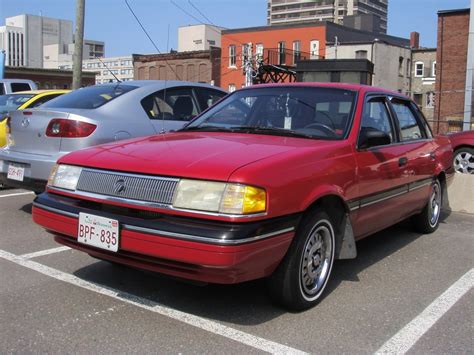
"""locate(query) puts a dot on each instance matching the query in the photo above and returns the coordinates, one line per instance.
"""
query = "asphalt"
(397, 274)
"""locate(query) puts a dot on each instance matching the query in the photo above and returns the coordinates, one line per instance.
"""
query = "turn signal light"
(64, 128)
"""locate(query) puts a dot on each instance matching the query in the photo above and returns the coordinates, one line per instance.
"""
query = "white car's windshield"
(311, 112)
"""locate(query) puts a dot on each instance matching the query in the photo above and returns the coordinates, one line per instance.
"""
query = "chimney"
(414, 40)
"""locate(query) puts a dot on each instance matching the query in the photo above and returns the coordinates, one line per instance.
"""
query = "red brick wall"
(269, 38)
(451, 60)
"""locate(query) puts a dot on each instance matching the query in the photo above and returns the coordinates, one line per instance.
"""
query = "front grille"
(135, 187)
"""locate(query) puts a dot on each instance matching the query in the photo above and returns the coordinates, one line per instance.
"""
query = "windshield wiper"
(206, 128)
(271, 130)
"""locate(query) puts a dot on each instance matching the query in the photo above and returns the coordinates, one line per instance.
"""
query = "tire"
(428, 220)
(463, 160)
(299, 281)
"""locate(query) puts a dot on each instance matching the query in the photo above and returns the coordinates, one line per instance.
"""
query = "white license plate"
(16, 172)
(98, 231)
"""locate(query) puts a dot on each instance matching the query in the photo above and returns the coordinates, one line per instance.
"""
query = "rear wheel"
(428, 220)
(300, 279)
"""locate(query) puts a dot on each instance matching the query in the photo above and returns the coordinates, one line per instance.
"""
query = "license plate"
(16, 172)
(98, 231)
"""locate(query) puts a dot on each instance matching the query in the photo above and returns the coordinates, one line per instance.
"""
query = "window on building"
(246, 52)
(433, 69)
(400, 66)
(361, 54)
(408, 71)
(296, 51)
(419, 69)
(430, 99)
(232, 56)
(231, 88)
(259, 50)
(314, 49)
(281, 53)
(418, 98)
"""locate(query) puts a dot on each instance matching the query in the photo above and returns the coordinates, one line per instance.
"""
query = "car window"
(13, 101)
(375, 116)
(90, 97)
(409, 126)
(171, 104)
(20, 87)
(208, 97)
(310, 112)
(2, 88)
(43, 99)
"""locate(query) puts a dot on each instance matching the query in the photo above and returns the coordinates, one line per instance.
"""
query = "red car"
(274, 181)
(463, 146)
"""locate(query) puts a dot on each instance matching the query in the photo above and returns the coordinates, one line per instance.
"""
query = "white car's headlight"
(64, 176)
(227, 198)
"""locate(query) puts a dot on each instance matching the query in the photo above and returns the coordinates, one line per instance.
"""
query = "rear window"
(20, 87)
(13, 101)
(90, 97)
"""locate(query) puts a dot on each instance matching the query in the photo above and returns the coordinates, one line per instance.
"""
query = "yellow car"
(21, 100)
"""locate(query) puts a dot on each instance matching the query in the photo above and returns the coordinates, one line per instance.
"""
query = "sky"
(111, 21)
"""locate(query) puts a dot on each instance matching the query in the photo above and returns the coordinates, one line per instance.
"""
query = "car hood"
(208, 155)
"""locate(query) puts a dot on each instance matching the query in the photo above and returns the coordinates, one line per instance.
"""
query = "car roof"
(37, 92)
(162, 83)
(345, 86)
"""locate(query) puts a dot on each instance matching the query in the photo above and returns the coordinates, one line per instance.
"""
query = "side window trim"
(383, 98)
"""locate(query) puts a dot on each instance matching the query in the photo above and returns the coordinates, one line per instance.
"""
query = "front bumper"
(37, 168)
(191, 248)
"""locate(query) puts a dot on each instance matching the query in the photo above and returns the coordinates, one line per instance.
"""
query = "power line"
(207, 18)
(149, 37)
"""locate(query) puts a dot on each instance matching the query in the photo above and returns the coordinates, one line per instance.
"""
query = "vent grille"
(134, 187)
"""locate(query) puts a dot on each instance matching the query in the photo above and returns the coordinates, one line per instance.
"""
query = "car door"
(171, 108)
(382, 182)
(419, 151)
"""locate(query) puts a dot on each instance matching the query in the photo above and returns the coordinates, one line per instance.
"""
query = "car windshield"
(90, 97)
(307, 112)
(13, 101)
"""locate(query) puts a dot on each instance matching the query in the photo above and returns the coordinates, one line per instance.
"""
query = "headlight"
(64, 176)
(228, 198)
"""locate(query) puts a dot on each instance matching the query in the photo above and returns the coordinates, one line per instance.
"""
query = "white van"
(7, 86)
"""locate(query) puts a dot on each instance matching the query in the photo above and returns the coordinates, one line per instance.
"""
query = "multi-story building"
(299, 11)
(198, 37)
(42, 42)
(24, 36)
(454, 71)
(107, 70)
(423, 79)
(284, 45)
(198, 66)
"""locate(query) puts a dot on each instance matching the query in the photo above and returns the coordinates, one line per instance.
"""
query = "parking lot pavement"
(63, 300)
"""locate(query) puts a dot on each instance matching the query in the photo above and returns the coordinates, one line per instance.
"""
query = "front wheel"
(428, 220)
(463, 160)
(300, 279)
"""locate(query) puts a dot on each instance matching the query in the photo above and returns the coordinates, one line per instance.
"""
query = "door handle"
(402, 161)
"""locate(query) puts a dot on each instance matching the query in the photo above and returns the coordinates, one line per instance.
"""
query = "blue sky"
(110, 20)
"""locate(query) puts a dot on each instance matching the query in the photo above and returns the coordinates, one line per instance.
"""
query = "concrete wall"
(198, 38)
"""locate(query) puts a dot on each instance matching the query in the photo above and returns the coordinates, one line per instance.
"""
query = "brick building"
(288, 43)
(453, 73)
(48, 78)
(423, 79)
(199, 66)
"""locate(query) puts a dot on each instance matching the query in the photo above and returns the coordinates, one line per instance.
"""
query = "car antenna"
(110, 71)
(164, 91)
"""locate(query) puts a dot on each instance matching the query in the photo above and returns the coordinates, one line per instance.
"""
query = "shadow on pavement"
(247, 303)
(26, 208)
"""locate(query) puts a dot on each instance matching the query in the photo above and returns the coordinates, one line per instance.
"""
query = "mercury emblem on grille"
(25, 122)
(119, 186)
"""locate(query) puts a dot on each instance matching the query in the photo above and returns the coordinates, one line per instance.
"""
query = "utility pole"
(78, 45)
(335, 47)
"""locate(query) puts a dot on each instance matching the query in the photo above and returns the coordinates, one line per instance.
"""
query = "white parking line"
(44, 252)
(18, 194)
(187, 318)
(401, 342)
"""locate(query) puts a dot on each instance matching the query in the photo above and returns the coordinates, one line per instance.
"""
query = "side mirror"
(373, 138)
